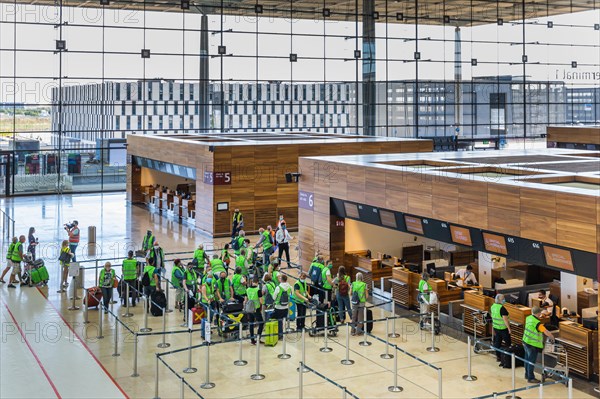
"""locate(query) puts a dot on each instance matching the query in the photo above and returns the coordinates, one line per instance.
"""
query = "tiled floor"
(74, 371)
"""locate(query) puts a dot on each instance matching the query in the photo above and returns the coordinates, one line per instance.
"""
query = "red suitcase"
(198, 314)
(94, 297)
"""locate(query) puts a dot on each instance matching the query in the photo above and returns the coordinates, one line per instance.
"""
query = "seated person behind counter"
(467, 275)
(546, 303)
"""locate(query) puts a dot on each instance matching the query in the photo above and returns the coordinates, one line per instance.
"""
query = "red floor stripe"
(84, 345)
(37, 359)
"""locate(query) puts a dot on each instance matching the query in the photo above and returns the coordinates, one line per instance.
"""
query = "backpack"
(249, 307)
(315, 274)
(267, 296)
(146, 280)
(284, 298)
(343, 287)
(355, 299)
(271, 239)
(235, 244)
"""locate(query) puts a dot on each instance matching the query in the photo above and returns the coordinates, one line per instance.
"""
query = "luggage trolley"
(554, 361)
(481, 318)
(425, 319)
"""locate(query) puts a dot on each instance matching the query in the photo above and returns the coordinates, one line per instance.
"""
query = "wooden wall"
(553, 217)
(573, 134)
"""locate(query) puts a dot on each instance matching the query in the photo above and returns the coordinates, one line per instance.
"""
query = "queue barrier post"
(135, 355)
(146, 311)
(74, 304)
(433, 348)
(347, 361)
(167, 289)
(541, 391)
(116, 352)
(207, 384)
(513, 363)
(189, 369)
(240, 361)
(364, 342)
(156, 380)
(393, 334)
(283, 354)
(182, 388)
(300, 380)
(164, 344)
(469, 376)
(86, 307)
(326, 348)
(344, 393)
(127, 312)
(303, 369)
(387, 354)
(440, 383)
(257, 375)
(100, 320)
(570, 389)
(96, 271)
(395, 387)
(185, 312)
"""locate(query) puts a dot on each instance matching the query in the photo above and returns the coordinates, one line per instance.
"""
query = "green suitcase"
(39, 275)
(271, 333)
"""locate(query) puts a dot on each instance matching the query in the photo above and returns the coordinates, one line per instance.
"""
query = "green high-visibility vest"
(217, 266)
(199, 256)
(174, 280)
(425, 289)
(129, 269)
(267, 240)
(238, 287)
(240, 241)
(101, 281)
(497, 320)
(253, 296)
(223, 288)
(148, 242)
(150, 270)
(275, 276)
(531, 335)
(281, 290)
(240, 262)
(360, 287)
(210, 293)
(16, 256)
(302, 289)
(10, 250)
(191, 278)
(326, 284)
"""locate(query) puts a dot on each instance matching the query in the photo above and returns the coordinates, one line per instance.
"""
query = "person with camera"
(74, 233)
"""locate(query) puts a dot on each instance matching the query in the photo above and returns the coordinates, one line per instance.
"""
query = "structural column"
(204, 76)
(368, 69)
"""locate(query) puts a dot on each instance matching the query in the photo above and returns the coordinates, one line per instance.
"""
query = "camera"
(69, 225)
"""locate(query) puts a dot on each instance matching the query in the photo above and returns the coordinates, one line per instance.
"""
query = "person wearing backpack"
(150, 279)
(217, 266)
(254, 301)
(300, 298)
(269, 292)
(342, 282)
(359, 294)
(106, 282)
(327, 282)
(267, 241)
(315, 273)
(238, 242)
(283, 295)
(225, 257)
(242, 262)
(201, 259)
(177, 277)
(238, 281)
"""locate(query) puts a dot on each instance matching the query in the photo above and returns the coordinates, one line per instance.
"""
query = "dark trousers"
(499, 337)
(284, 247)
(107, 296)
(300, 316)
(531, 354)
(280, 315)
(234, 230)
(73, 249)
(256, 318)
(132, 291)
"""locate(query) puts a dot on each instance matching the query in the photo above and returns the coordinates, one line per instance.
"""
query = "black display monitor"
(431, 269)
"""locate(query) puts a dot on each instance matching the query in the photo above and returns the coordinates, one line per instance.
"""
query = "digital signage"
(495, 243)
(461, 235)
(413, 224)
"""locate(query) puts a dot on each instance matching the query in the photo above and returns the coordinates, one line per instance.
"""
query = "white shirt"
(549, 304)
(283, 236)
(467, 275)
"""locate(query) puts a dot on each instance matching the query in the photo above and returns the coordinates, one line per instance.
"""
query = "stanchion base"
(165, 345)
(135, 375)
(100, 337)
(284, 356)
(145, 329)
(512, 397)
(304, 370)
(208, 385)
(127, 315)
(326, 349)
(433, 349)
(394, 335)
(169, 310)
(116, 354)
(469, 378)
(257, 377)
(240, 363)
(347, 362)
(113, 302)
(386, 356)
(395, 388)
(86, 322)
(73, 308)
(184, 324)
(190, 370)
(365, 343)
(597, 389)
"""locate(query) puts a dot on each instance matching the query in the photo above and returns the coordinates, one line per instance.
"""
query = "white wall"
(361, 236)
(151, 177)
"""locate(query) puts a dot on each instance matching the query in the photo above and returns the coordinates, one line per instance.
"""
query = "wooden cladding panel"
(538, 202)
(503, 196)
(575, 208)
(576, 235)
(504, 221)
(573, 134)
(536, 227)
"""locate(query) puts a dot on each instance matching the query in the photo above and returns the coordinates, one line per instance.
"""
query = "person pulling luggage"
(282, 294)
(533, 342)
(254, 300)
(130, 275)
(106, 282)
(501, 325)
(178, 274)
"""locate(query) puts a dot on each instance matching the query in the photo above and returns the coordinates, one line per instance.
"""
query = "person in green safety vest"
(249, 251)
(424, 296)
(106, 282)
(359, 294)
(283, 296)
(148, 241)
(238, 281)
(501, 325)
(224, 290)
(269, 292)
(8, 258)
(190, 282)
(177, 277)
(255, 295)
(327, 280)
(300, 298)
(153, 275)
(237, 222)
(225, 256)
(267, 241)
(64, 260)
(130, 275)
(533, 342)
(238, 242)
(274, 270)
(242, 262)
(17, 255)
(217, 266)
(208, 300)
(201, 258)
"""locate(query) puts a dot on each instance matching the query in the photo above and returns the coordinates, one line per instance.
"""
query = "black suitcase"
(158, 302)
(232, 306)
(369, 323)
(506, 358)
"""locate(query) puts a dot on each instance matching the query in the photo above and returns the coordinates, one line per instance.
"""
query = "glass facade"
(75, 81)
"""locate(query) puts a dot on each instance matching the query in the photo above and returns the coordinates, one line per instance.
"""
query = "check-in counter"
(404, 287)
(373, 270)
(517, 315)
(166, 199)
(188, 209)
(175, 209)
(578, 342)
(476, 303)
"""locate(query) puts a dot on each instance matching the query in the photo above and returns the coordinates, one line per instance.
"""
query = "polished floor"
(48, 351)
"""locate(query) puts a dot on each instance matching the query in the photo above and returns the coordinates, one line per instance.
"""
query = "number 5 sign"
(306, 200)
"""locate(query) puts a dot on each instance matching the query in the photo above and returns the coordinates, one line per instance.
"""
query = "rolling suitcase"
(197, 315)
(506, 359)
(158, 302)
(232, 306)
(39, 275)
(93, 298)
(271, 333)
(369, 323)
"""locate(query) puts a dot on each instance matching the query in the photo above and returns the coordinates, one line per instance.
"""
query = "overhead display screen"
(461, 235)
(558, 257)
(388, 219)
(495, 243)
(413, 224)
